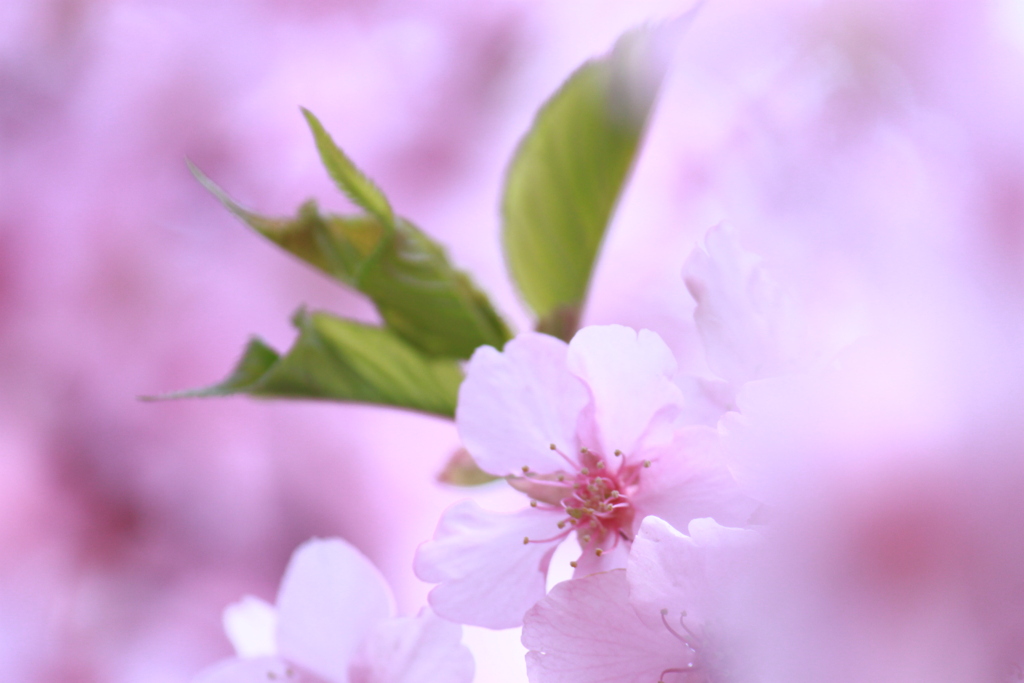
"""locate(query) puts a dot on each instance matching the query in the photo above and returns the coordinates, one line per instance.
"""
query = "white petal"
(251, 625)
(614, 555)
(705, 401)
(585, 631)
(629, 375)
(666, 571)
(259, 670)
(487, 576)
(330, 596)
(514, 404)
(426, 648)
(737, 311)
(690, 478)
(669, 570)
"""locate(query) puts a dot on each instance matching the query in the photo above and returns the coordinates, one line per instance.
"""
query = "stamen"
(526, 540)
(584, 471)
(682, 638)
(617, 452)
(533, 503)
(682, 622)
(600, 464)
(526, 469)
(565, 457)
(599, 552)
(688, 670)
(573, 564)
(647, 463)
(557, 537)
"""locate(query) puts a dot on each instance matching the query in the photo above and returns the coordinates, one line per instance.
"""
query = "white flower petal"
(690, 478)
(514, 404)
(585, 631)
(629, 375)
(679, 573)
(258, 670)
(251, 626)
(737, 311)
(330, 596)
(487, 576)
(425, 648)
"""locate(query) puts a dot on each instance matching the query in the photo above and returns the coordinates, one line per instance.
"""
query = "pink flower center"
(594, 494)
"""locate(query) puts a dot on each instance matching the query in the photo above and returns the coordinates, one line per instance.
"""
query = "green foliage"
(343, 360)
(462, 470)
(417, 291)
(567, 175)
(349, 179)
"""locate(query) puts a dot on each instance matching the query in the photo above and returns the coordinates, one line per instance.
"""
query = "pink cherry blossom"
(590, 432)
(334, 623)
(741, 313)
(656, 621)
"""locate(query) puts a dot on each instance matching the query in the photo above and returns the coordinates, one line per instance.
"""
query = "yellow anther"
(599, 552)
(584, 471)
(553, 447)
(573, 564)
(526, 468)
(618, 452)
(526, 540)
(600, 464)
(647, 463)
(533, 503)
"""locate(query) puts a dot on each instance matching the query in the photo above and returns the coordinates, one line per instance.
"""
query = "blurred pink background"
(837, 136)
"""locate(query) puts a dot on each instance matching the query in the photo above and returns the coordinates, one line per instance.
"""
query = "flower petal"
(330, 595)
(585, 631)
(705, 401)
(679, 573)
(251, 625)
(425, 648)
(514, 404)
(736, 312)
(690, 478)
(258, 670)
(629, 375)
(487, 576)
(614, 554)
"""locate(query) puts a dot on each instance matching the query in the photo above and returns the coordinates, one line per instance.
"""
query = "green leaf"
(343, 360)
(427, 301)
(462, 470)
(417, 291)
(567, 175)
(349, 179)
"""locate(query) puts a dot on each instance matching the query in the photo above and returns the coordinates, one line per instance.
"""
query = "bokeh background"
(837, 135)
